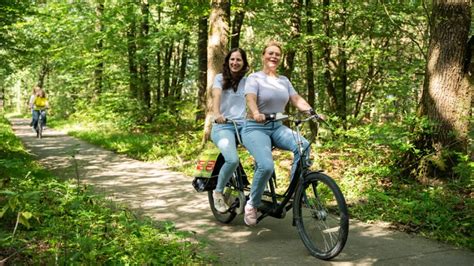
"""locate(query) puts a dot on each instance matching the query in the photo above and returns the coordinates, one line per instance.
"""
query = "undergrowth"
(46, 221)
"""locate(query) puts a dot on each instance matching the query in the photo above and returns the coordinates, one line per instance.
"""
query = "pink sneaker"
(250, 216)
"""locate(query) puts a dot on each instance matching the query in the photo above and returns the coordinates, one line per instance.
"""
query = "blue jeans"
(259, 138)
(36, 114)
(223, 136)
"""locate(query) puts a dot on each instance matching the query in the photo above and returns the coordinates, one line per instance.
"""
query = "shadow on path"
(165, 195)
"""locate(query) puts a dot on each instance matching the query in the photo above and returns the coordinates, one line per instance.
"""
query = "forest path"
(165, 195)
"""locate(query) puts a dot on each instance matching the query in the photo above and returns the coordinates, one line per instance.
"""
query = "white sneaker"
(33, 129)
(219, 202)
(250, 216)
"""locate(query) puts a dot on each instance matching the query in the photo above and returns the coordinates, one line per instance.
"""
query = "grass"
(45, 220)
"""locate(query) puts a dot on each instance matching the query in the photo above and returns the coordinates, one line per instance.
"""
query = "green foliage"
(44, 220)
(437, 212)
(365, 160)
(385, 46)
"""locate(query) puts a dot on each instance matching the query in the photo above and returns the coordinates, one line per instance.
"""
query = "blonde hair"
(35, 89)
(41, 93)
(272, 43)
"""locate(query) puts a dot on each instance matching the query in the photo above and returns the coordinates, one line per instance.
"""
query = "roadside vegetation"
(134, 77)
(364, 160)
(48, 221)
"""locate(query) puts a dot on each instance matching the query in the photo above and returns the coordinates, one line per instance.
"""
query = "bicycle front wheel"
(321, 216)
(40, 131)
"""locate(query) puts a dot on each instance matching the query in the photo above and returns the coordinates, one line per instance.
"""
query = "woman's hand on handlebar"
(311, 112)
(220, 119)
(259, 118)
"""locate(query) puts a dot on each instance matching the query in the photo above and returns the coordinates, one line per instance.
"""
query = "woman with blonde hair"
(268, 92)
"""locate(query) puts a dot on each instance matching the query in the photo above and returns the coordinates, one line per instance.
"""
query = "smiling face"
(271, 58)
(235, 62)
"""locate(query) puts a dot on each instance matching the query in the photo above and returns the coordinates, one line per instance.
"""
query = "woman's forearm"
(300, 103)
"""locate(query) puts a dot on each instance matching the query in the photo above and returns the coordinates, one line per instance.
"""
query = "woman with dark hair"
(228, 103)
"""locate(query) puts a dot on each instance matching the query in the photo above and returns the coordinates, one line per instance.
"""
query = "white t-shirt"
(32, 101)
(232, 103)
(273, 93)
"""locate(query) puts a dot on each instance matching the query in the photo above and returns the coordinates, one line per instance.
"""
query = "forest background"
(394, 79)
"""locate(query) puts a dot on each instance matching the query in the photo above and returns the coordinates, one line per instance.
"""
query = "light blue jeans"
(223, 136)
(259, 138)
(36, 114)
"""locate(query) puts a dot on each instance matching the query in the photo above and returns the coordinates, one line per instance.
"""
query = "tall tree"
(202, 66)
(132, 51)
(237, 23)
(182, 68)
(309, 55)
(447, 95)
(44, 70)
(143, 41)
(99, 28)
(295, 32)
(329, 84)
(216, 51)
(158, 65)
(167, 70)
(342, 83)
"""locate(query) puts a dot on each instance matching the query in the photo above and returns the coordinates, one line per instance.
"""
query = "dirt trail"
(165, 195)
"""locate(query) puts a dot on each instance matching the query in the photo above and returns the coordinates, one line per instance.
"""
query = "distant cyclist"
(31, 103)
(40, 103)
(228, 102)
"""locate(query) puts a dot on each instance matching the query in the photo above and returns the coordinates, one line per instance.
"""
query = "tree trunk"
(99, 68)
(295, 32)
(158, 78)
(158, 68)
(216, 51)
(175, 68)
(342, 103)
(237, 24)
(144, 79)
(447, 95)
(132, 51)
(167, 70)
(182, 71)
(43, 72)
(331, 90)
(2, 97)
(202, 65)
(310, 62)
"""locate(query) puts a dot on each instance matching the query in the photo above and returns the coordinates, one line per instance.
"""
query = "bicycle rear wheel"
(321, 216)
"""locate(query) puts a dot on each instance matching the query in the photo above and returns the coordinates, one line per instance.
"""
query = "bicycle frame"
(319, 209)
(279, 204)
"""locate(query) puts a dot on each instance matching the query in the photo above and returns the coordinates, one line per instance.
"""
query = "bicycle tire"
(321, 216)
(40, 131)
